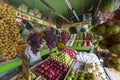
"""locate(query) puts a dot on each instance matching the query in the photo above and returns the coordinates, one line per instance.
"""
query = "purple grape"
(35, 40)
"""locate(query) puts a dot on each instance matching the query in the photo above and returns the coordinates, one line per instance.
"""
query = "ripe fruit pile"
(78, 43)
(79, 36)
(50, 37)
(76, 75)
(116, 62)
(110, 31)
(72, 53)
(109, 6)
(65, 37)
(96, 69)
(9, 33)
(52, 70)
(87, 58)
(32, 76)
(63, 57)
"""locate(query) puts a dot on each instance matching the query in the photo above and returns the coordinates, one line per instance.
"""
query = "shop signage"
(79, 24)
(33, 19)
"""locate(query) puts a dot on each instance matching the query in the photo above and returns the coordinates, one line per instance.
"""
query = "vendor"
(28, 28)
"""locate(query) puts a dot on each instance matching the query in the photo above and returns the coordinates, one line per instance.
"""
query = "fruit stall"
(72, 40)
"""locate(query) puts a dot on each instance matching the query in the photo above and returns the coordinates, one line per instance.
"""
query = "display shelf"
(75, 47)
(108, 76)
(29, 17)
(112, 73)
(7, 66)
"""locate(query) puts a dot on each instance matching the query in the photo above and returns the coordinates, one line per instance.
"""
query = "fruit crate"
(16, 77)
(33, 67)
(62, 75)
(69, 70)
(73, 66)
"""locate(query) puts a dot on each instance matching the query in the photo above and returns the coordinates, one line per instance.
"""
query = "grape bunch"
(50, 37)
(35, 41)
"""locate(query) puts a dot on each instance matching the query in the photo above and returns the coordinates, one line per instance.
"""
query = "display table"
(112, 73)
(76, 48)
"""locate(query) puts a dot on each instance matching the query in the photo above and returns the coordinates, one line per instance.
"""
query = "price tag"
(25, 66)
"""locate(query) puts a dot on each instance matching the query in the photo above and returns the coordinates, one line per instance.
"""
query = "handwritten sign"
(33, 19)
(79, 24)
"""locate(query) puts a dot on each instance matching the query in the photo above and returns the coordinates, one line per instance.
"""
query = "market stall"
(44, 40)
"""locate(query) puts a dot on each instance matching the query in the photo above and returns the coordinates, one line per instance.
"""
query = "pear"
(69, 78)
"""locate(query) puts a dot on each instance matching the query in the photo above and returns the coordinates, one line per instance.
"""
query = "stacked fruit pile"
(35, 41)
(40, 78)
(110, 31)
(79, 36)
(97, 70)
(63, 57)
(115, 62)
(87, 58)
(50, 37)
(82, 40)
(109, 5)
(65, 37)
(87, 43)
(78, 43)
(32, 76)
(9, 32)
(52, 70)
(76, 75)
(72, 53)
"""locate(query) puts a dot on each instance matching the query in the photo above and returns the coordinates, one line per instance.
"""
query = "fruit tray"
(69, 70)
(76, 67)
(56, 70)
(16, 77)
